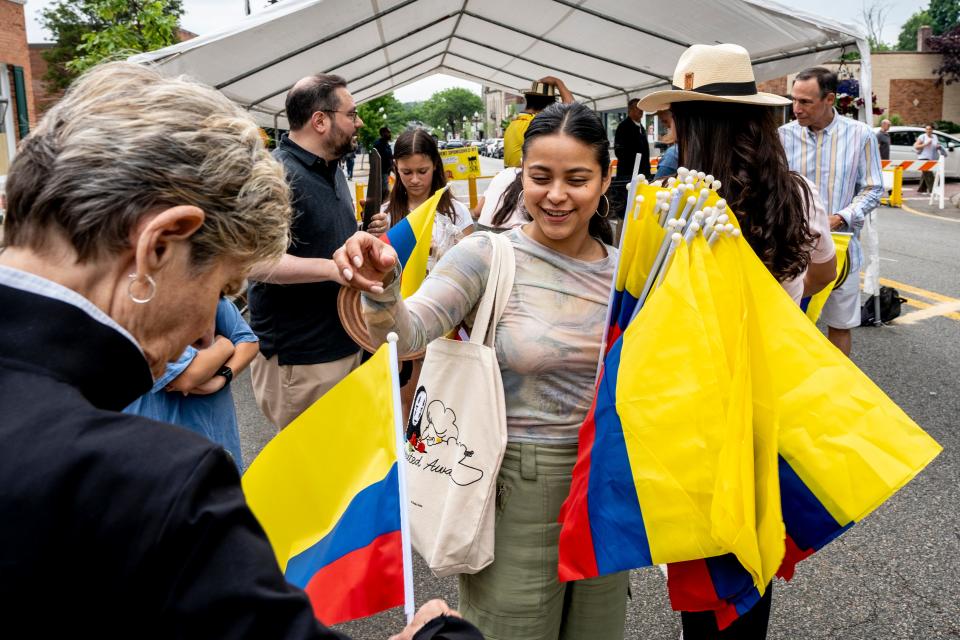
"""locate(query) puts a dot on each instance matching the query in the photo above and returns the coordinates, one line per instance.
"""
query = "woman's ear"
(605, 183)
(156, 236)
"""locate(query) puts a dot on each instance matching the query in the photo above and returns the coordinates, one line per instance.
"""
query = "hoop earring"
(150, 282)
(606, 211)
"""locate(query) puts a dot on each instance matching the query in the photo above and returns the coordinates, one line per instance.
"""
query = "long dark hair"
(738, 144)
(576, 121)
(409, 143)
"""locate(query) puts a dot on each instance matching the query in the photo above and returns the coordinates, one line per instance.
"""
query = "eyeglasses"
(350, 114)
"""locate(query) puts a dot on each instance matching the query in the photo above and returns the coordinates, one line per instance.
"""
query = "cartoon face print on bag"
(433, 431)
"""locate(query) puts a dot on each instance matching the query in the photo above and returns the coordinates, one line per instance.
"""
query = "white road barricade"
(936, 166)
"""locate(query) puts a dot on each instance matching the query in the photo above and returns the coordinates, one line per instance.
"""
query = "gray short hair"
(125, 142)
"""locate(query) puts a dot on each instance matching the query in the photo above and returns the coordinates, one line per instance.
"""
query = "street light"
(477, 119)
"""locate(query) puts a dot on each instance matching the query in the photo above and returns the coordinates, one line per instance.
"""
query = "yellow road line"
(926, 310)
(944, 306)
(927, 215)
(907, 288)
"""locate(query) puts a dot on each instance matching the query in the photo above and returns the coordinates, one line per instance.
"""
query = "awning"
(605, 50)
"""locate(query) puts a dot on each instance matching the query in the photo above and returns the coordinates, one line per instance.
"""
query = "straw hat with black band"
(713, 73)
(542, 89)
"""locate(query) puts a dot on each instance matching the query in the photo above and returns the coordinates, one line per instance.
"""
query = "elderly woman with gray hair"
(134, 204)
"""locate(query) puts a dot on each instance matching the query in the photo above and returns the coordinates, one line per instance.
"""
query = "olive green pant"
(519, 597)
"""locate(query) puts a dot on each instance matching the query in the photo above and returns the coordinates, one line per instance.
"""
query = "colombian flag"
(411, 238)
(718, 442)
(813, 305)
(325, 491)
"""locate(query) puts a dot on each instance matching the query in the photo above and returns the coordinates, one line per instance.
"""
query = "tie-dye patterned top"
(547, 340)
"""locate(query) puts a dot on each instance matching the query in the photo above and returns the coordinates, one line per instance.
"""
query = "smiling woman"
(547, 343)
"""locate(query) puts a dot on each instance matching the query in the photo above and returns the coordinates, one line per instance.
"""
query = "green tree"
(907, 41)
(944, 15)
(385, 110)
(446, 109)
(88, 31)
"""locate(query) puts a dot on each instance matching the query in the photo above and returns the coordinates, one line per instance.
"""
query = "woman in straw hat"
(727, 128)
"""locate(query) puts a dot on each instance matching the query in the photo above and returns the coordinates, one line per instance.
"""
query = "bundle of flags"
(411, 238)
(728, 438)
(326, 492)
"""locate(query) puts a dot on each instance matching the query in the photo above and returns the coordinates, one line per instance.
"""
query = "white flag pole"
(613, 291)
(408, 603)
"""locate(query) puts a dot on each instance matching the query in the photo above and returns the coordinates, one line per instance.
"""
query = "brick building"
(43, 97)
(17, 108)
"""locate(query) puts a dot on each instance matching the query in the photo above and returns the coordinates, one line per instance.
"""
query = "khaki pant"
(519, 597)
(283, 392)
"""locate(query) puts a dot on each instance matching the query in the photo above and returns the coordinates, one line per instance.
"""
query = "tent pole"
(866, 82)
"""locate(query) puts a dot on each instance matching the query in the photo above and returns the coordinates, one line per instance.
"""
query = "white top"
(491, 200)
(823, 248)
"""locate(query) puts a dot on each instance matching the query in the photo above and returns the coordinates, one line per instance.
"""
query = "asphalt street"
(894, 575)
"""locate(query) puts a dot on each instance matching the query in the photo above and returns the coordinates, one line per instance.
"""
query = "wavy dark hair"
(738, 144)
(411, 142)
(577, 121)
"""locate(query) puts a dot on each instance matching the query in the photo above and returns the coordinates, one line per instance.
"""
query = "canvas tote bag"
(456, 436)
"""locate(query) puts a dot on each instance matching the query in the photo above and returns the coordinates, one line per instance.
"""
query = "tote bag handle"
(497, 292)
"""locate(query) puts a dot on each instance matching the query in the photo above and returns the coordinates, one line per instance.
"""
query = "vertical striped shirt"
(843, 161)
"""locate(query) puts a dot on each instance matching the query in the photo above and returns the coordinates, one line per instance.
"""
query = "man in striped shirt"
(842, 158)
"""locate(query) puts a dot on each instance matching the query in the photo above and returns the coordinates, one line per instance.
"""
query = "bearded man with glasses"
(304, 350)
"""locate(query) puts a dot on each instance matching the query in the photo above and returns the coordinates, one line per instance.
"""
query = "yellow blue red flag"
(727, 438)
(326, 492)
(411, 238)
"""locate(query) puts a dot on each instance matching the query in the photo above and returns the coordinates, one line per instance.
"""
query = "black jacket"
(112, 525)
(628, 141)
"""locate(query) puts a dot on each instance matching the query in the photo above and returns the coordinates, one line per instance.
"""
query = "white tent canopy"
(605, 50)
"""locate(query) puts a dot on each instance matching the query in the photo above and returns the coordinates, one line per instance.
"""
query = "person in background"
(548, 346)
(669, 160)
(928, 147)
(382, 145)
(126, 267)
(304, 349)
(418, 169)
(194, 392)
(629, 141)
(841, 158)
(541, 95)
(883, 139)
(350, 158)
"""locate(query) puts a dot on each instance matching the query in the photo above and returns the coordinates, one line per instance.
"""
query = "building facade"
(17, 108)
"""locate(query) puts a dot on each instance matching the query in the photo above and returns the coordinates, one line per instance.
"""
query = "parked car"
(498, 149)
(901, 148)
(454, 144)
(492, 145)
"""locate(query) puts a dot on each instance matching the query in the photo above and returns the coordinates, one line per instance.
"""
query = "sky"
(205, 16)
